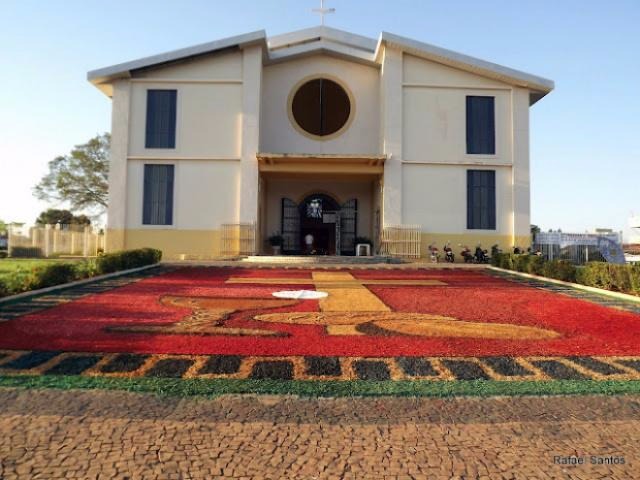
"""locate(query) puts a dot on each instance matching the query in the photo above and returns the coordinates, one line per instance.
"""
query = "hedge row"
(114, 262)
(64, 272)
(619, 278)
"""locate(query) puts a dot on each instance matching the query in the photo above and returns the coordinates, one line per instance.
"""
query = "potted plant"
(276, 241)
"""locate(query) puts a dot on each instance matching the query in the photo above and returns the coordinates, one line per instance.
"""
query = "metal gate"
(348, 226)
(290, 226)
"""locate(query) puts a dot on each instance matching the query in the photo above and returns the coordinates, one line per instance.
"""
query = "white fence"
(52, 240)
(400, 241)
(580, 248)
(238, 239)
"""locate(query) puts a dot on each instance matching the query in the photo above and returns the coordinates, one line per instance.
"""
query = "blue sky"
(585, 136)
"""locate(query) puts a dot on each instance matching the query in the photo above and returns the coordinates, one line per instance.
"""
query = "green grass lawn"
(310, 388)
(9, 265)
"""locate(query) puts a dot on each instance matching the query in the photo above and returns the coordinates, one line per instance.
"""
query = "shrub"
(496, 259)
(86, 269)
(536, 265)
(3, 254)
(560, 270)
(502, 260)
(621, 278)
(521, 262)
(17, 281)
(50, 275)
(60, 273)
(511, 261)
(126, 259)
(634, 277)
(25, 252)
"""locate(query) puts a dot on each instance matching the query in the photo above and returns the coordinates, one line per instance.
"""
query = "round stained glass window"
(321, 107)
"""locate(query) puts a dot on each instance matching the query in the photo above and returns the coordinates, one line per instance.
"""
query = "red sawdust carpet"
(87, 324)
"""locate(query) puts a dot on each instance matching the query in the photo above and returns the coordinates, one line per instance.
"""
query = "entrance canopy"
(320, 163)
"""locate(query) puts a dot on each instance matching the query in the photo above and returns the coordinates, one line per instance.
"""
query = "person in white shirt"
(308, 240)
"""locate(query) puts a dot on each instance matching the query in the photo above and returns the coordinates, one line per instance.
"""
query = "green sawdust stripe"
(310, 388)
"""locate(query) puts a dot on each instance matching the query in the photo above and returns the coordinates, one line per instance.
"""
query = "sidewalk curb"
(577, 286)
(64, 286)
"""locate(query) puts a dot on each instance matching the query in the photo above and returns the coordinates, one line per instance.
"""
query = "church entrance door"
(330, 228)
(318, 216)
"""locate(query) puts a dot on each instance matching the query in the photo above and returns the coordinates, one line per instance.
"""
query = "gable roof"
(334, 42)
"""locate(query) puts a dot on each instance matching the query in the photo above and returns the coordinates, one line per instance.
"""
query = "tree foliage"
(52, 216)
(79, 178)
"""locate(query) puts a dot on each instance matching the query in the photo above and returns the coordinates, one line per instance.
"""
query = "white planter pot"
(276, 249)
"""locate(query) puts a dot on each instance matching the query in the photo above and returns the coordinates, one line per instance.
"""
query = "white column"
(116, 213)
(251, 89)
(520, 170)
(85, 241)
(391, 99)
(47, 240)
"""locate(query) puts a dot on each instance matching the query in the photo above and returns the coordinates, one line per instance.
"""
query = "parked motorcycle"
(448, 253)
(466, 254)
(481, 256)
(434, 254)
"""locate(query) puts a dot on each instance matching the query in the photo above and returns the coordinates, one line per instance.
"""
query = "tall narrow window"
(157, 205)
(481, 125)
(481, 199)
(161, 119)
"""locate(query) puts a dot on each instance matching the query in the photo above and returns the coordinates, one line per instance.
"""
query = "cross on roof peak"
(322, 11)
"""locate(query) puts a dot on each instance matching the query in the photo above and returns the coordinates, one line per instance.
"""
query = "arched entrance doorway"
(333, 227)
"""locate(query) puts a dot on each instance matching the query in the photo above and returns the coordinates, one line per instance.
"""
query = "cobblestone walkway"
(98, 434)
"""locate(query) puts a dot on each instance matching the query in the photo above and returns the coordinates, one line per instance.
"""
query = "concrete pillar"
(116, 212)
(391, 102)
(47, 240)
(85, 241)
(251, 93)
(520, 171)
(55, 234)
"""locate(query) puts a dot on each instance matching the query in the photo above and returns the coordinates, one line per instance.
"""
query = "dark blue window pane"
(481, 199)
(157, 204)
(161, 119)
(481, 129)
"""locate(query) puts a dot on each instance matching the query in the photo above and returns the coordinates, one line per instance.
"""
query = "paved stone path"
(99, 434)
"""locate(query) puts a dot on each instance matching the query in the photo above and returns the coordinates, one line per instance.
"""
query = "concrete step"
(319, 259)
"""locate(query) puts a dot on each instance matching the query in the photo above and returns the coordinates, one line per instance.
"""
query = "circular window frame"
(302, 131)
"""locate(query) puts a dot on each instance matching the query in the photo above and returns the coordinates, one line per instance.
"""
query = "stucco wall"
(209, 106)
(205, 194)
(208, 120)
(434, 113)
(278, 135)
(435, 196)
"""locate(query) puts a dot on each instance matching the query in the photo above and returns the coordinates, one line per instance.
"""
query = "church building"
(322, 133)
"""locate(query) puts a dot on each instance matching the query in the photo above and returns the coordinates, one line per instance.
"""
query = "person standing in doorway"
(308, 241)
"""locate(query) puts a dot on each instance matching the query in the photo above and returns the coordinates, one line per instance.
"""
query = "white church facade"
(318, 132)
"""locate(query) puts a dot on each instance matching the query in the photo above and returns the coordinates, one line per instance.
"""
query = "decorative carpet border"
(500, 368)
(38, 302)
